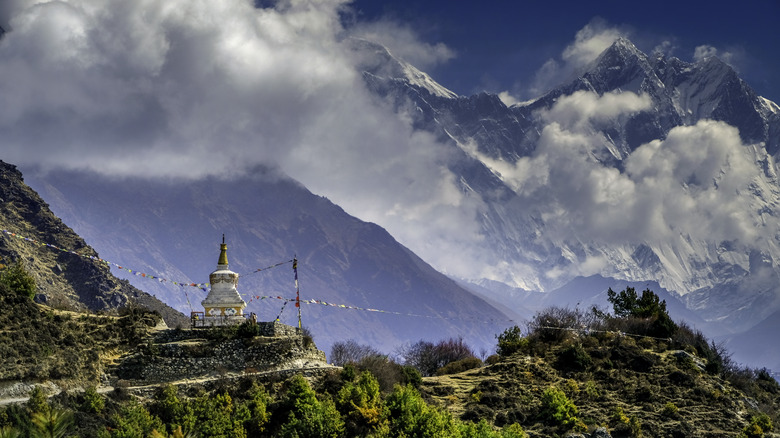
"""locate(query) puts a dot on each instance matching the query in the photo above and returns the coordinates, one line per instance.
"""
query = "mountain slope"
(70, 279)
(172, 230)
(641, 168)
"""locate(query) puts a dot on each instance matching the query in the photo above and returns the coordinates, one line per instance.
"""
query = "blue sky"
(500, 45)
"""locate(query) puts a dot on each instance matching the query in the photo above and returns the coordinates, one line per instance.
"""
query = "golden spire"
(223, 253)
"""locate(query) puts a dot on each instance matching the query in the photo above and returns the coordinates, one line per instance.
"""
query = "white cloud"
(404, 42)
(588, 44)
(705, 51)
(735, 57)
(507, 98)
(688, 184)
(665, 47)
(189, 88)
(694, 179)
(582, 108)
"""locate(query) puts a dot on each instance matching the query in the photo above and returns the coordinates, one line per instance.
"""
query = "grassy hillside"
(556, 378)
(38, 343)
(67, 273)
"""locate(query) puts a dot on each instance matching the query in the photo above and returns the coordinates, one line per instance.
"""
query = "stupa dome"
(223, 298)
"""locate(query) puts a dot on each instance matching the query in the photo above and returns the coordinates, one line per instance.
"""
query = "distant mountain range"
(640, 169)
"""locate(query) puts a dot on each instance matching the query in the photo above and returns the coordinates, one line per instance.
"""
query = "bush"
(428, 357)
(54, 423)
(248, 329)
(133, 420)
(362, 406)
(307, 336)
(37, 401)
(630, 426)
(306, 415)
(670, 410)
(458, 366)
(759, 425)
(574, 357)
(554, 324)
(387, 372)
(557, 408)
(16, 278)
(93, 402)
(649, 307)
(410, 416)
(410, 376)
(511, 341)
(342, 353)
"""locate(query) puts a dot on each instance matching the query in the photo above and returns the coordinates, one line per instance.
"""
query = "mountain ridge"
(341, 260)
(68, 274)
(668, 102)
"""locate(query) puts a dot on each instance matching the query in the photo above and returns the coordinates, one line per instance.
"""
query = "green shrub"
(93, 403)
(493, 359)
(482, 429)
(248, 329)
(648, 307)
(626, 425)
(387, 371)
(574, 357)
(511, 341)
(670, 410)
(38, 401)
(361, 405)
(306, 415)
(459, 366)
(16, 278)
(410, 416)
(132, 421)
(411, 376)
(557, 408)
(9, 432)
(759, 425)
(54, 423)
(258, 409)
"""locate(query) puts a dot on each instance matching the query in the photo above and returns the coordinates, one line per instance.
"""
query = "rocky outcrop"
(70, 276)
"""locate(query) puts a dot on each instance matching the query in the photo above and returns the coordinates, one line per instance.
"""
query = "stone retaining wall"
(187, 354)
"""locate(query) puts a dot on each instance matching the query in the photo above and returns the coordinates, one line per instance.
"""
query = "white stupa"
(223, 302)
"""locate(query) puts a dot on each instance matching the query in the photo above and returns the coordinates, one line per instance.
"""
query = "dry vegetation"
(40, 343)
(559, 378)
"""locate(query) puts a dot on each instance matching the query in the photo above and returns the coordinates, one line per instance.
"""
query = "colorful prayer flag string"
(367, 309)
(202, 286)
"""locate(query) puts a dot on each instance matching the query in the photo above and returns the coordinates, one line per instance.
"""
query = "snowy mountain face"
(642, 168)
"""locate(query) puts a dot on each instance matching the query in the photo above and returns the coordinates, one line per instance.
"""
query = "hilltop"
(563, 378)
(68, 273)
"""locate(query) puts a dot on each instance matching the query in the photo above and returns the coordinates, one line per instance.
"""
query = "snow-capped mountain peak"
(640, 168)
(377, 60)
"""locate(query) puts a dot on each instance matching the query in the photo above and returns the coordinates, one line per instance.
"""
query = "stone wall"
(176, 355)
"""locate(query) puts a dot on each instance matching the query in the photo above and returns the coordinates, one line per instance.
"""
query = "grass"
(632, 387)
(40, 343)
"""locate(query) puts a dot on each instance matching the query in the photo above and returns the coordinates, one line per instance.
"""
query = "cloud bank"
(190, 88)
